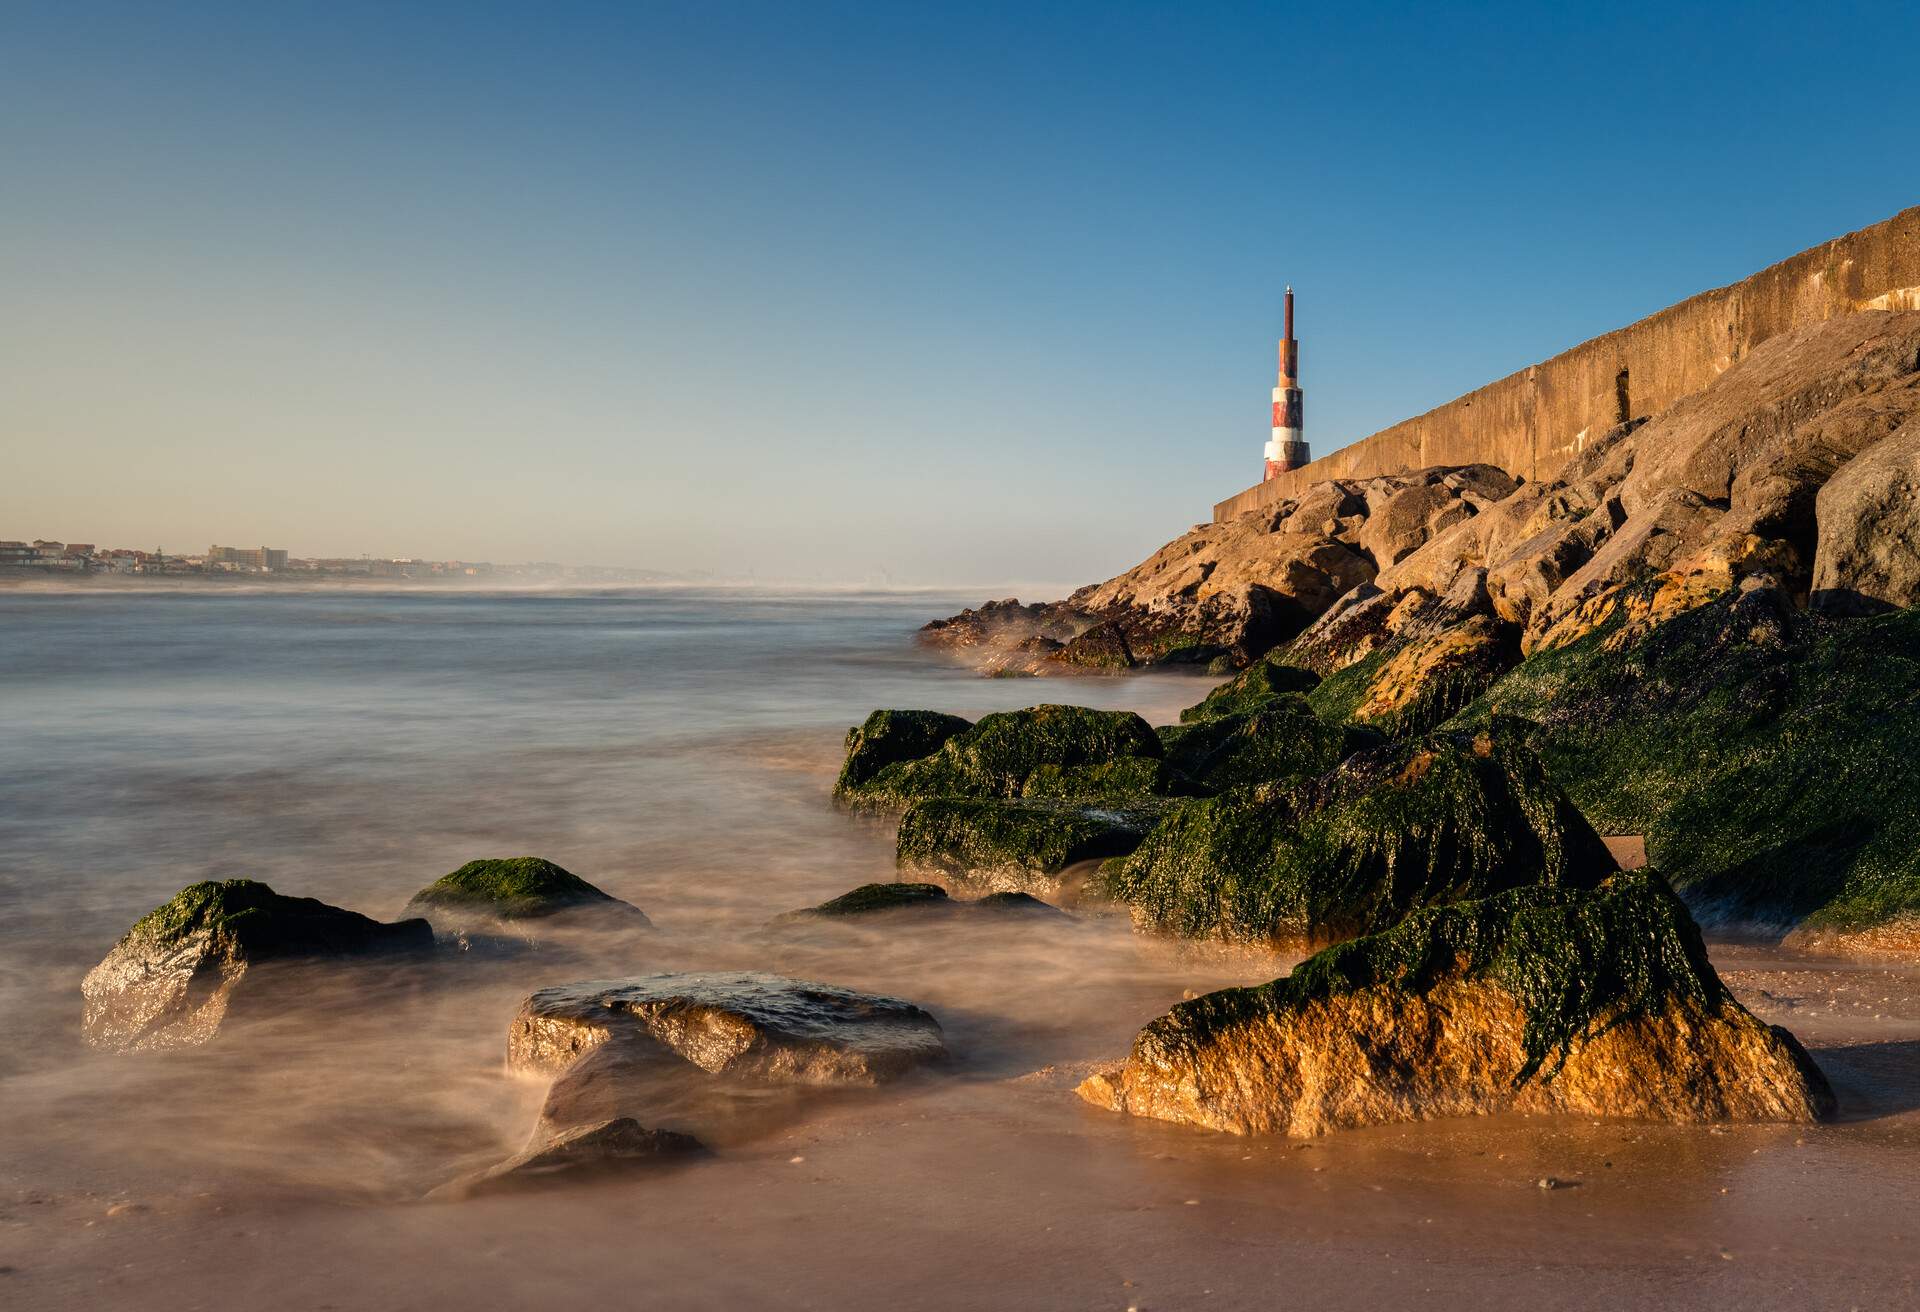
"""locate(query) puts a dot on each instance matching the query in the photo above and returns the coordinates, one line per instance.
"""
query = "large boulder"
(1254, 687)
(1542, 999)
(186, 966)
(1279, 740)
(1063, 752)
(1766, 754)
(765, 1028)
(1868, 556)
(1022, 846)
(504, 889)
(1424, 822)
(889, 738)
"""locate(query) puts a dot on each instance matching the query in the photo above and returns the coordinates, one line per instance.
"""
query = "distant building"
(262, 558)
(16, 553)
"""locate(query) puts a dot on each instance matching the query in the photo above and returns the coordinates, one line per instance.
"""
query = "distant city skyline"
(832, 291)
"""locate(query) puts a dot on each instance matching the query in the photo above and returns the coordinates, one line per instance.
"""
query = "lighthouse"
(1288, 447)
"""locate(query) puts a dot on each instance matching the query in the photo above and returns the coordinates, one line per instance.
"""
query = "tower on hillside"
(1287, 449)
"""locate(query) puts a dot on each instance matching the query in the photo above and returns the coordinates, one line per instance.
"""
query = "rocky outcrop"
(765, 1028)
(1868, 554)
(505, 889)
(1390, 830)
(187, 966)
(1277, 741)
(1596, 1002)
(1765, 753)
(600, 1150)
(890, 738)
(1022, 846)
(1060, 752)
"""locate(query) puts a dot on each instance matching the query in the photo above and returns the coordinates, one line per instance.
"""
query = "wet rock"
(1018, 845)
(1064, 752)
(1283, 739)
(1391, 829)
(1868, 556)
(183, 967)
(1418, 679)
(504, 889)
(1597, 1002)
(1017, 904)
(1102, 647)
(874, 899)
(1765, 754)
(746, 1025)
(602, 1150)
(1262, 682)
(889, 738)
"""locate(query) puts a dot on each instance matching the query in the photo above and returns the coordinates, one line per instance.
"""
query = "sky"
(925, 294)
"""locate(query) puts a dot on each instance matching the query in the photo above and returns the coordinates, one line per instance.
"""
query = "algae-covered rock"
(1767, 755)
(1254, 687)
(177, 974)
(1414, 683)
(514, 888)
(1429, 821)
(765, 1028)
(1541, 999)
(1063, 751)
(1018, 845)
(601, 1150)
(889, 737)
(1281, 739)
(872, 899)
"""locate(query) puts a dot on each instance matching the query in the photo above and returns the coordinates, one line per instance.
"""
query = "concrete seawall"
(1530, 423)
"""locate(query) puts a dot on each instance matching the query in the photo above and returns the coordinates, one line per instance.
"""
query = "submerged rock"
(1594, 1002)
(172, 979)
(1054, 751)
(514, 888)
(873, 899)
(579, 1153)
(1012, 845)
(743, 1024)
(1435, 820)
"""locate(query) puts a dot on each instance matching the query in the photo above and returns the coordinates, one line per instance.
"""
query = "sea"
(677, 748)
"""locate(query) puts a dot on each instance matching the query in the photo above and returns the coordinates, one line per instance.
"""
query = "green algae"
(890, 737)
(245, 919)
(961, 835)
(1577, 961)
(1393, 828)
(1280, 739)
(1064, 746)
(1443, 686)
(871, 898)
(1767, 755)
(1254, 687)
(511, 888)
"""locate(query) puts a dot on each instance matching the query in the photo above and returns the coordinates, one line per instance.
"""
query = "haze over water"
(677, 748)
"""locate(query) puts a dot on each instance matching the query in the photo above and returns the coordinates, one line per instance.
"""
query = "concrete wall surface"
(1530, 423)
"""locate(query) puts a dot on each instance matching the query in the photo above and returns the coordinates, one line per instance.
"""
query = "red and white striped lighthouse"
(1288, 447)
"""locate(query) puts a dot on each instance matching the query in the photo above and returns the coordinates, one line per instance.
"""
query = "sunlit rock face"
(741, 1024)
(183, 967)
(1592, 1002)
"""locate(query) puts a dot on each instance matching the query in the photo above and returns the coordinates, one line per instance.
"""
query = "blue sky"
(937, 293)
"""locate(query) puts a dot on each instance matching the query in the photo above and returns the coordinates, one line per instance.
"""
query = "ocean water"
(677, 748)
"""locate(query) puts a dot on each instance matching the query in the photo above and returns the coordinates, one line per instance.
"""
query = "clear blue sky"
(961, 293)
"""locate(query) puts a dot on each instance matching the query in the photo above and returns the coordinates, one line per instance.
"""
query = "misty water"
(677, 748)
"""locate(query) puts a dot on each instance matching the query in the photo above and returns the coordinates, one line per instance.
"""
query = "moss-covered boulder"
(1593, 1002)
(1018, 846)
(890, 737)
(1767, 755)
(1058, 751)
(1254, 687)
(874, 899)
(184, 967)
(515, 888)
(1280, 740)
(1414, 824)
(1413, 684)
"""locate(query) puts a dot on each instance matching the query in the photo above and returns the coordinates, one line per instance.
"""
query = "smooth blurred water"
(674, 746)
